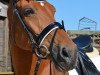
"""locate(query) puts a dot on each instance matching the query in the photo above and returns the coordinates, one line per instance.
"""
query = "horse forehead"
(22, 3)
(33, 0)
(33, 3)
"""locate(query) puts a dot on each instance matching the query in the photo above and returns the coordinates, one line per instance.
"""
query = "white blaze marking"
(41, 3)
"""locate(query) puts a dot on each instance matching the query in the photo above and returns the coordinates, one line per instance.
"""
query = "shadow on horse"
(39, 45)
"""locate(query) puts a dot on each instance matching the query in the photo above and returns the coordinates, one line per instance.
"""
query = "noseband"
(37, 42)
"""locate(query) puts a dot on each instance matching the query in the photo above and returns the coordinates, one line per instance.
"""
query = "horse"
(39, 45)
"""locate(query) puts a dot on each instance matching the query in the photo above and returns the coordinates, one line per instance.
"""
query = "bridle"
(37, 42)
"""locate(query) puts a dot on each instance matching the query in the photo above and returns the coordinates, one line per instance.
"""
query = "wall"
(5, 60)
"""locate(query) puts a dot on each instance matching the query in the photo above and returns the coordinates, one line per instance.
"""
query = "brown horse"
(39, 45)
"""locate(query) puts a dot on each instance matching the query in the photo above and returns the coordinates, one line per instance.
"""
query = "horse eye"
(28, 11)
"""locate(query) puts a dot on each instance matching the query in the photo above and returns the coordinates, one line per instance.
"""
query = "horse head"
(33, 28)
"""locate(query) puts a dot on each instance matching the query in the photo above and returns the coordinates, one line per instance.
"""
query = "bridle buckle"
(42, 54)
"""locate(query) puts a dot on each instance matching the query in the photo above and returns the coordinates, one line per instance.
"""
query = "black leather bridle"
(37, 42)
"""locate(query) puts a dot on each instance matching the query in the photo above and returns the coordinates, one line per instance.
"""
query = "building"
(5, 63)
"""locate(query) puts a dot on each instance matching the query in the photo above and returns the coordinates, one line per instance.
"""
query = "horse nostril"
(64, 52)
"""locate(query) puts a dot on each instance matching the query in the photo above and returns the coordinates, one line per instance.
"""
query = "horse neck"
(24, 63)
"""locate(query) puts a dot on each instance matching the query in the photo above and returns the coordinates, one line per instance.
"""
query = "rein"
(37, 42)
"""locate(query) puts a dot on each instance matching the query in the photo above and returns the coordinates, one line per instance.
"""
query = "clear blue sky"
(73, 10)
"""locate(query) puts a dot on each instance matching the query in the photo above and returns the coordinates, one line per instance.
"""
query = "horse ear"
(63, 25)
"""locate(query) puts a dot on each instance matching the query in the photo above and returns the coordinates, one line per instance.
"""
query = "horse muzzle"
(64, 59)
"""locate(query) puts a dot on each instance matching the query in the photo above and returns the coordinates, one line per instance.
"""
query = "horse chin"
(64, 66)
(60, 68)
